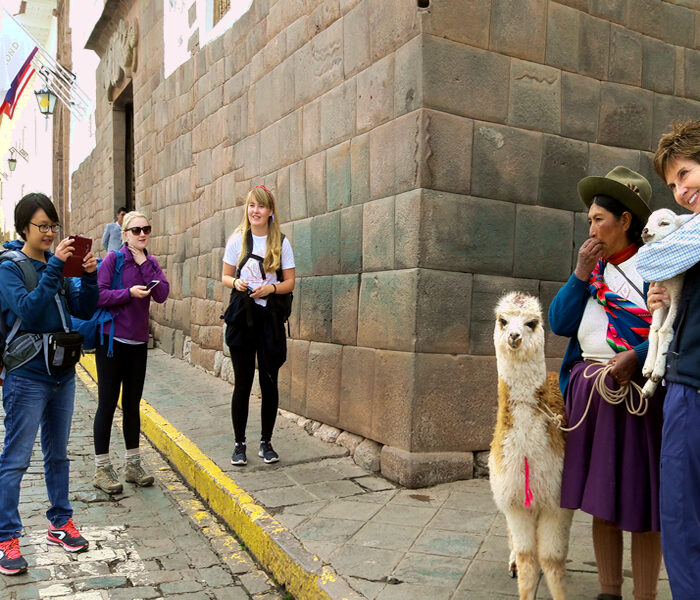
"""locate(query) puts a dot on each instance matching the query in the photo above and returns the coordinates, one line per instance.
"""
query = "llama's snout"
(647, 236)
(514, 339)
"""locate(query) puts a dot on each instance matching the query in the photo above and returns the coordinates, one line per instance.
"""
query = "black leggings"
(243, 360)
(125, 369)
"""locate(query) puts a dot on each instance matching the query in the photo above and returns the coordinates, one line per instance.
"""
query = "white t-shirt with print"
(250, 272)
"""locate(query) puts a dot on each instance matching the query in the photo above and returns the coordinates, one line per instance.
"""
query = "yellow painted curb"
(278, 551)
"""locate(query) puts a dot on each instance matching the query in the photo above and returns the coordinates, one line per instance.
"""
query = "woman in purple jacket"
(125, 367)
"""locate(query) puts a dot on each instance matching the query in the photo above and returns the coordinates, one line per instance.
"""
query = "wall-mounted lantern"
(47, 101)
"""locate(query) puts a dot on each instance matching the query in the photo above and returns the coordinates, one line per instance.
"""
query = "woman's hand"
(657, 296)
(64, 250)
(139, 291)
(624, 366)
(240, 285)
(263, 290)
(89, 263)
(139, 255)
(588, 254)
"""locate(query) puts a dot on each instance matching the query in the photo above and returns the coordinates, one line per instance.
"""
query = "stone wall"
(424, 162)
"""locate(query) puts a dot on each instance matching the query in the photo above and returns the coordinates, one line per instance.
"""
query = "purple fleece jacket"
(132, 320)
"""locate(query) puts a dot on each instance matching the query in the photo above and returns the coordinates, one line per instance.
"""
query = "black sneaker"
(267, 453)
(11, 560)
(68, 537)
(238, 457)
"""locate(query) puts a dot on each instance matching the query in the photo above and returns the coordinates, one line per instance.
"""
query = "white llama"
(527, 451)
(660, 224)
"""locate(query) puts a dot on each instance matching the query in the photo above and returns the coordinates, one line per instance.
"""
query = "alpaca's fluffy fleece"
(526, 397)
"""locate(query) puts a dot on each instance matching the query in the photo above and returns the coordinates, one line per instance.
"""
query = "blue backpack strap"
(115, 285)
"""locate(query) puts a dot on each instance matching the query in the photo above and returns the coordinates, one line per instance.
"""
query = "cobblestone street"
(157, 542)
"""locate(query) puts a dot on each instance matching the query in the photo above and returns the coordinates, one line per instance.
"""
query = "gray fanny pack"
(22, 349)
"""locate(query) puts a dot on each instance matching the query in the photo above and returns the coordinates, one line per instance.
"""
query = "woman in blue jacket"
(36, 392)
(611, 463)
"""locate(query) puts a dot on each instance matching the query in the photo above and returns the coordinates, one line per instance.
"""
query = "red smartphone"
(74, 265)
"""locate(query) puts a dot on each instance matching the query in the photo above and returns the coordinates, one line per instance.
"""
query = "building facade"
(424, 155)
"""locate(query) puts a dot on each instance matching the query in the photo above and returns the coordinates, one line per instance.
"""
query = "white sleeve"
(287, 259)
(233, 249)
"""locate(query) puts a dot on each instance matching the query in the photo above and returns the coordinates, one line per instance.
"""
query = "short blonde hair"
(683, 141)
(129, 217)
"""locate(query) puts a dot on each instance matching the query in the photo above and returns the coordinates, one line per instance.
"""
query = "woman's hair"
(634, 233)
(273, 252)
(683, 141)
(27, 206)
(129, 217)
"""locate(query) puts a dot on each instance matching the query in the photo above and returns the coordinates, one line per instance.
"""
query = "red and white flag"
(17, 49)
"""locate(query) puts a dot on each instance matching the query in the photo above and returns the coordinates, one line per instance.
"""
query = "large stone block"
(311, 127)
(625, 56)
(392, 403)
(564, 164)
(535, 97)
(612, 10)
(391, 24)
(297, 191)
(625, 116)
(323, 382)
(465, 81)
(318, 65)
(357, 390)
(540, 256)
(378, 235)
(282, 195)
(316, 299)
(394, 162)
(555, 345)
(449, 158)
(602, 159)
(338, 176)
(387, 310)
(424, 469)
(505, 162)
(518, 28)
(464, 21)
(299, 358)
(346, 290)
(359, 172)
(692, 73)
(356, 39)
(581, 231)
(678, 23)
(594, 46)
(562, 37)
(351, 239)
(487, 290)
(456, 229)
(316, 184)
(443, 319)
(325, 244)
(338, 113)
(290, 138)
(408, 76)
(375, 94)
(580, 103)
(668, 109)
(658, 65)
(455, 402)
(407, 228)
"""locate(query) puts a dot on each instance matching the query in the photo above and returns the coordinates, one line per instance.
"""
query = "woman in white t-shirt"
(262, 280)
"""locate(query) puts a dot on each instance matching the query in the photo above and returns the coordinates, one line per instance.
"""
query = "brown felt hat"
(623, 184)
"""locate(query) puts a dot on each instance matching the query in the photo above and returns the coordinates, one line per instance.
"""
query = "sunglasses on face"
(138, 230)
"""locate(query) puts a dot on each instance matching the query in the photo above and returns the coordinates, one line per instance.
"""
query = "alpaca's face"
(661, 223)
(518, 329)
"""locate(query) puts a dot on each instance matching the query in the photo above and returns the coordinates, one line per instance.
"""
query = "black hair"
(122, 209)
(28, 205)
(617, 208)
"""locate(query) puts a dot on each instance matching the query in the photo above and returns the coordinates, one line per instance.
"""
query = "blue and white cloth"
(671, 256)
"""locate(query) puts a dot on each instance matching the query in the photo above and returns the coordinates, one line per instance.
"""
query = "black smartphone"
(153, 283)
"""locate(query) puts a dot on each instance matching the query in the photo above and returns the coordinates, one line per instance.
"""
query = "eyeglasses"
(138, 230)
(46, 228)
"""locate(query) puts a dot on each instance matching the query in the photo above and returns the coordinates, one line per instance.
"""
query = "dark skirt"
(611, 463)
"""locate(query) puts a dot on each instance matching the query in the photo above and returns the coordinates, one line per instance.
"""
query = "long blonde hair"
(273, 250)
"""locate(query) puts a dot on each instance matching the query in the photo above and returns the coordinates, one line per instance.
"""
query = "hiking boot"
(68, 537)
(238, 458)
(134, 473)
(608, 597)
(106, 480)
(11, 560)
(267, 453)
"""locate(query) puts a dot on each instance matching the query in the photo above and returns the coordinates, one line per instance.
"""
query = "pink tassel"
(528, 491)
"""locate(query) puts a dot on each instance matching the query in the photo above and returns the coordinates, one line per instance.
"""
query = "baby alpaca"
(527, 451)
(660, 224)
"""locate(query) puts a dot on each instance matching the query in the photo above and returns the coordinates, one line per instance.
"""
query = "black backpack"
(30, 282)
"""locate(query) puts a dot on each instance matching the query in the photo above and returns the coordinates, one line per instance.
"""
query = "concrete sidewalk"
(327, 528)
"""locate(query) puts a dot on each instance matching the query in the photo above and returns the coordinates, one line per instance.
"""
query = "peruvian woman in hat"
(611, 463)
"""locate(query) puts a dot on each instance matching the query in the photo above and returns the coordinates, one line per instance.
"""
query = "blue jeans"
(29, 403)
(680, 490)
